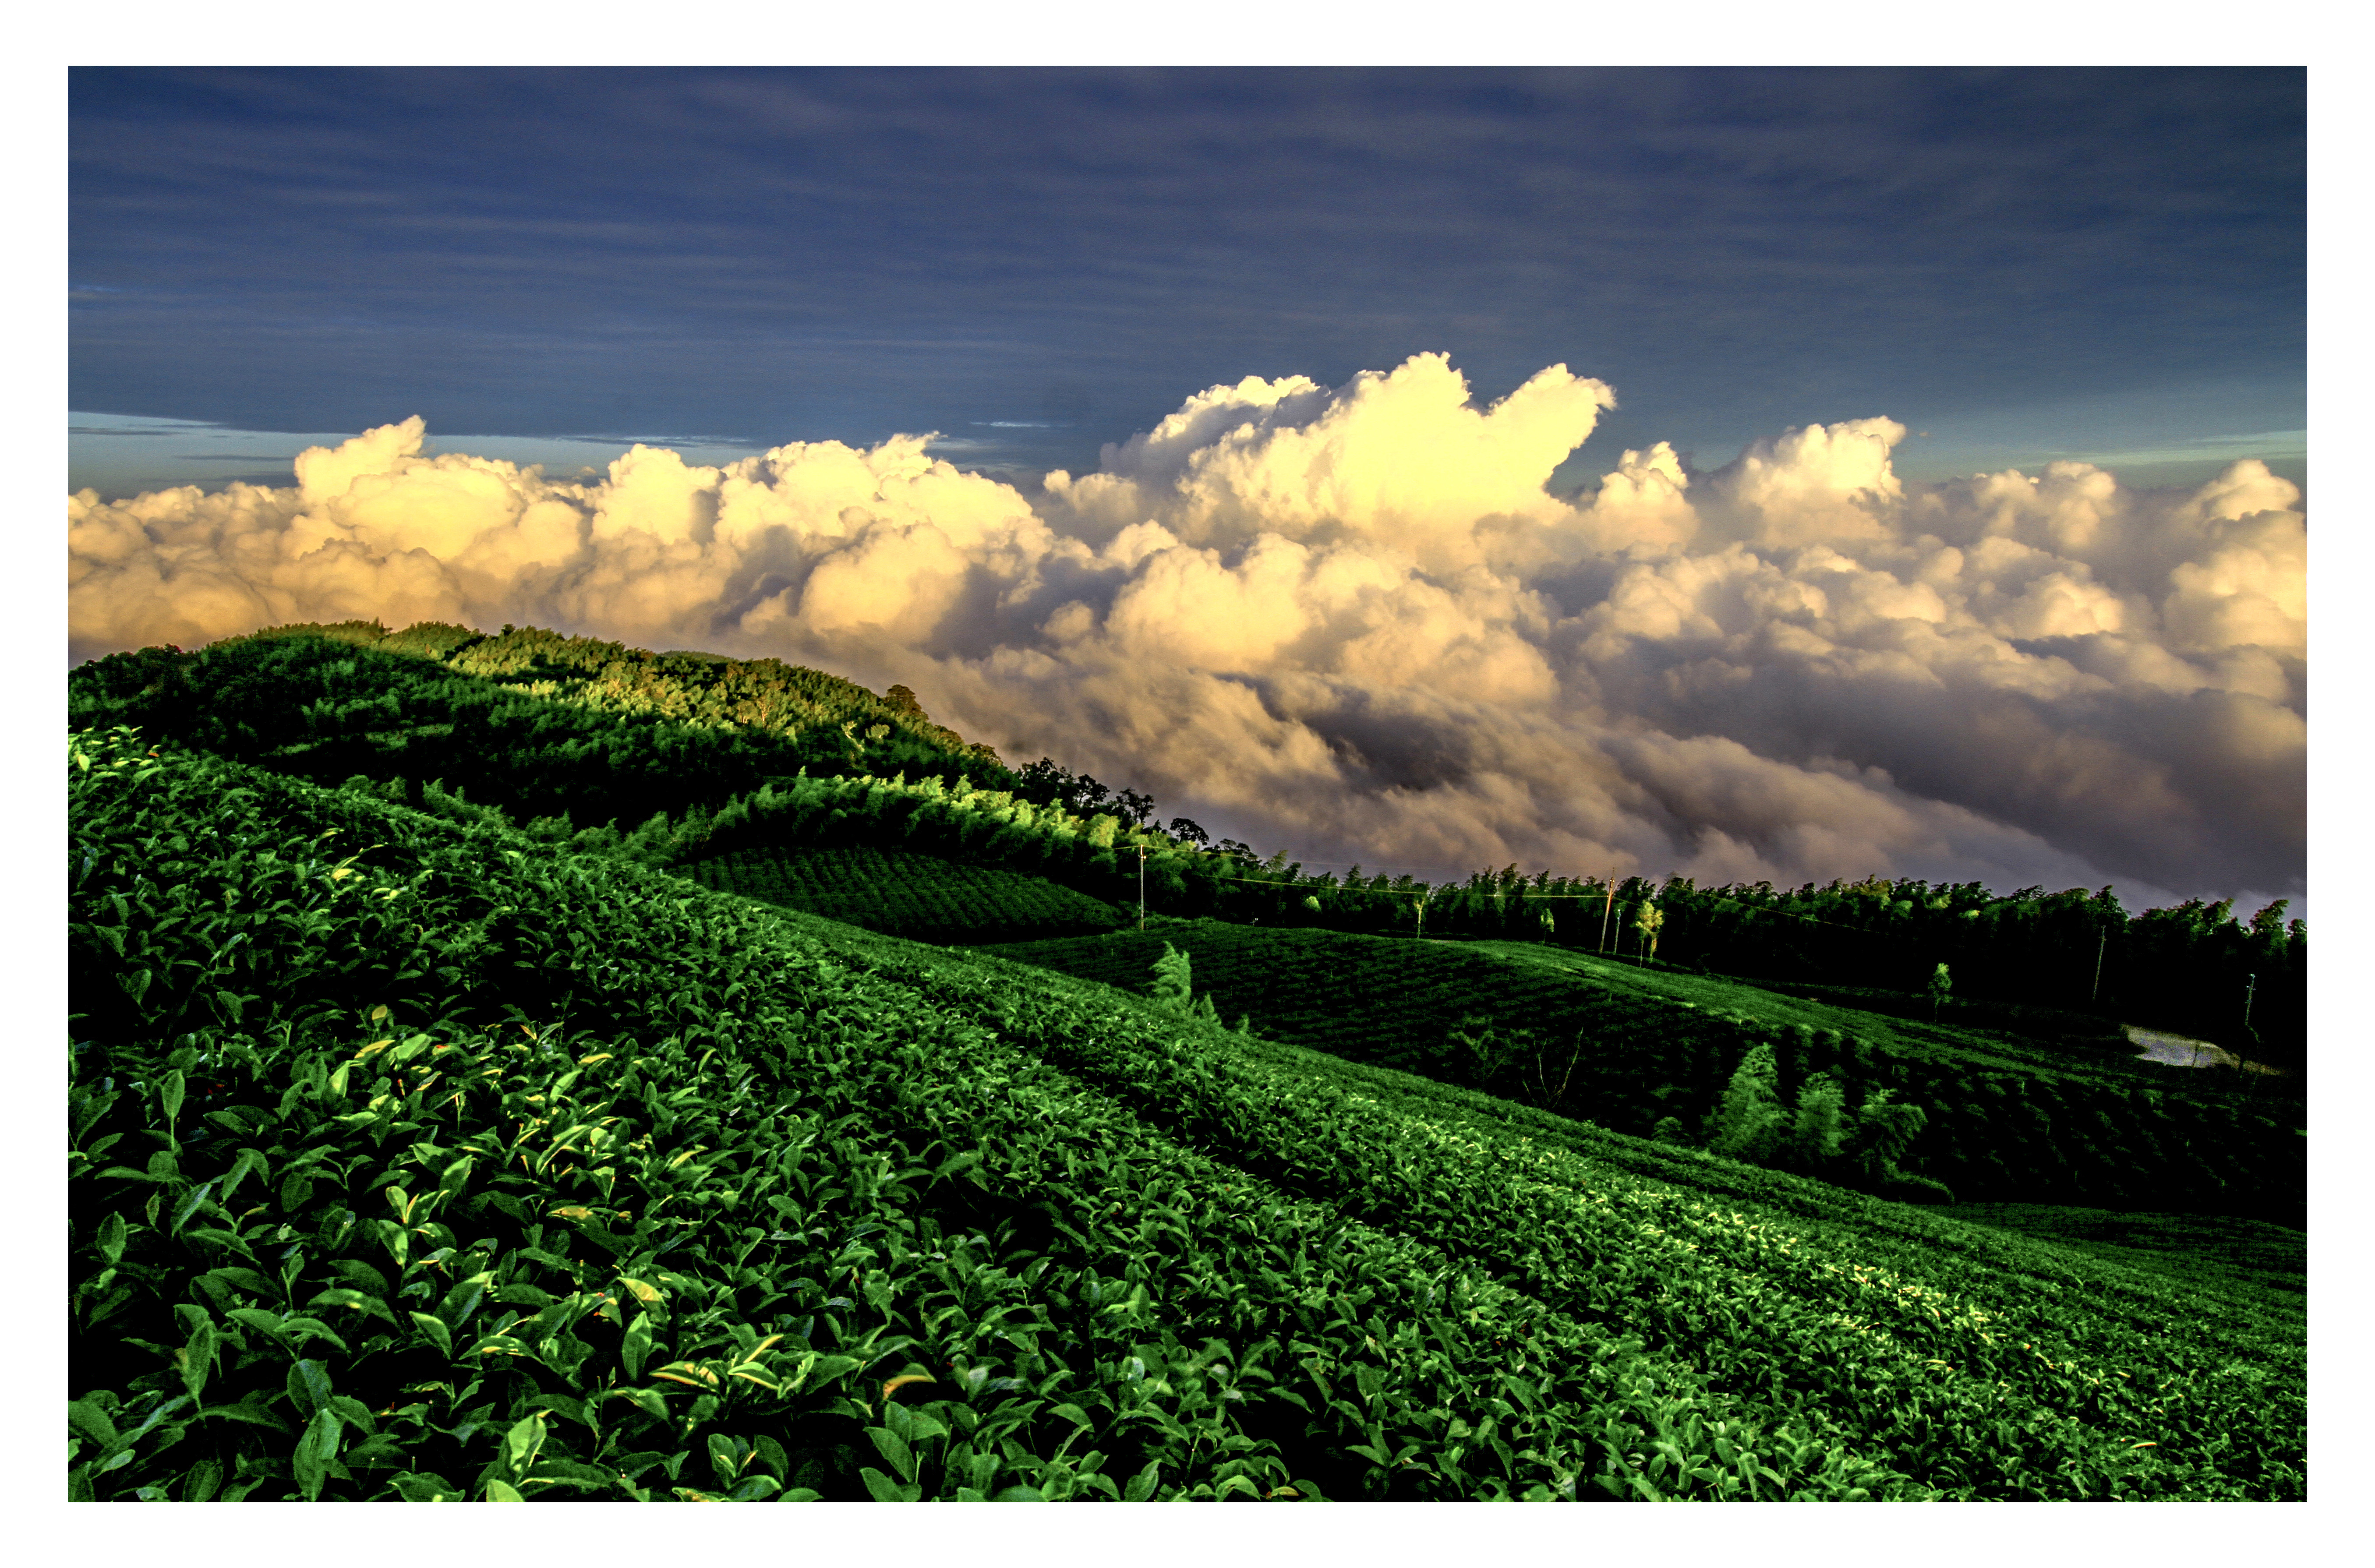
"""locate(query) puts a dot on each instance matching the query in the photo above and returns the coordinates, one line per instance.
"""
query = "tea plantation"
(2004, 1118)
(904, 894)
(417, 1158)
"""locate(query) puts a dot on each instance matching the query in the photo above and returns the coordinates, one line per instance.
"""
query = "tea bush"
(1629, 1049)
(903, 894)
(415, 1158)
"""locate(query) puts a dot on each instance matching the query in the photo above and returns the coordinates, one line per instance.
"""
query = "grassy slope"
(1399, 1290)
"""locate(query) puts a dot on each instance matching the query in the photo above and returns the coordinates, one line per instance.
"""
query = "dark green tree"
(1171, 986)
(1883, 1131)
(1818, 1130)
(1750, 1123)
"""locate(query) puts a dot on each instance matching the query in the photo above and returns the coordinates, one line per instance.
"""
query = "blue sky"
(2104, 263)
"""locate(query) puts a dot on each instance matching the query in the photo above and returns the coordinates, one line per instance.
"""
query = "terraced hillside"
(2006, 1118)
(902, 893)
(411, 1159)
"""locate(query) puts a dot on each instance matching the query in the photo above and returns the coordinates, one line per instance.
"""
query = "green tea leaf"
(247, 1280)
(267, 1323)
(197, 1358)
(90, 1420)
(351, 1411)
(422, 1486)
(356, 1301)
(648, 1400)
(111, 1232)
(192, 1201)
(309, 1387)
(522, 1442)
(726, 1459)
(203, 1479)
(461, 1303)
(894, 1450)
(169, 1094)
(827, 1368)
(433, 1330)
(314, 1451)
(636, 1345)
(249, 1161)
(882, 1488)
(251, 1412)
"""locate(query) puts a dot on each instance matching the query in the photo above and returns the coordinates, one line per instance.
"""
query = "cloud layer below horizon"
(1350, 622)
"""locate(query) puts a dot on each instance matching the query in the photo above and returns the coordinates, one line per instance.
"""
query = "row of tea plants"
(412, 1159)
(903, 894)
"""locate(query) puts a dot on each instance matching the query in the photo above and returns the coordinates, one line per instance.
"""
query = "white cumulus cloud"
(1351, 621)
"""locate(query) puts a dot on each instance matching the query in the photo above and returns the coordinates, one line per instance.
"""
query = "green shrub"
(415, 1158)
(1750, 1123)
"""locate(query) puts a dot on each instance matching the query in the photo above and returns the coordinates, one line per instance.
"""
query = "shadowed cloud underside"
(1351, 621)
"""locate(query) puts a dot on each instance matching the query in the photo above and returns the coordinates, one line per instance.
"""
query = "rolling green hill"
(496, 1071)
(903, 894)
(669, 757)
(566, 735)
(422, 1158)
(2007, 1118)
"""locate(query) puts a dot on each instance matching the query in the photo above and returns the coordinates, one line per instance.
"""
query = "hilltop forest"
(518, 1065)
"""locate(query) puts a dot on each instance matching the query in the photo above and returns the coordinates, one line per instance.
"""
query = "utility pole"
(2248, 991)
(1605, 909)
(2251, 1079)
(2098, 990)
(1141, 886)
(1422, 897)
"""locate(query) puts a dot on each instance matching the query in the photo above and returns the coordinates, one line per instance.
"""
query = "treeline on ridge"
(2188, 968)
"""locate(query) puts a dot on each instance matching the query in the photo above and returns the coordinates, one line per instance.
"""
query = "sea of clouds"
(1351, 623)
